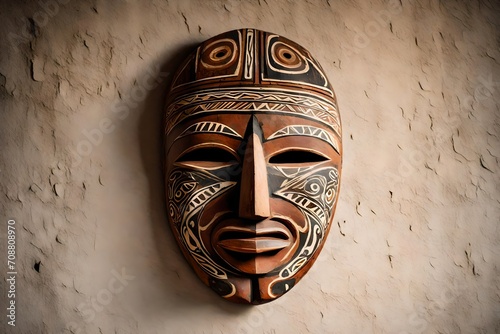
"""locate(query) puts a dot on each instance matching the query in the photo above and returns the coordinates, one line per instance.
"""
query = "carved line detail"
(249, 55)
(248, 100)
(261, 94)
(306, 130)
(210, 127)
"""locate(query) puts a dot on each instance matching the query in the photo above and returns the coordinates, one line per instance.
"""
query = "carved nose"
(254, 191)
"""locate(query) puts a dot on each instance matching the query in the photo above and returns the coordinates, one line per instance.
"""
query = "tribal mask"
(252, 163)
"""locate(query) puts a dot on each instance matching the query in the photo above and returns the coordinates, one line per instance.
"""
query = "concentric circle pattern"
(219, 54)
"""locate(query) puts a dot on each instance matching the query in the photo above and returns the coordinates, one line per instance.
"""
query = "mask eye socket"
(215, 155)
(297, 157)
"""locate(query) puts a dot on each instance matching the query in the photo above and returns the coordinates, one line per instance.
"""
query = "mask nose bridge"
(254, 186)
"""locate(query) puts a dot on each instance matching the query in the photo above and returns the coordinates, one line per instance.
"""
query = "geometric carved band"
(244, 100)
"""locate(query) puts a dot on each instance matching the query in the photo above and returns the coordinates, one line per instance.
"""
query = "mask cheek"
(283, 208)
(214, 212)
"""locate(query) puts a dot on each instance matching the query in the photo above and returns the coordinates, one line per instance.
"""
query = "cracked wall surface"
(415, 244)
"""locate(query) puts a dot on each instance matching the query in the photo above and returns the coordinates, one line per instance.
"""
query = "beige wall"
(415, 245)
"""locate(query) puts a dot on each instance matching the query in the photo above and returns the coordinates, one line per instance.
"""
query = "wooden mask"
(253, 159)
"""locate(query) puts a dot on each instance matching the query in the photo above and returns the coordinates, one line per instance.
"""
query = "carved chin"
(255, 248)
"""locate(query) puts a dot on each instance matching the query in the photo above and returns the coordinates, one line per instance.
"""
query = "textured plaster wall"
(414, 247)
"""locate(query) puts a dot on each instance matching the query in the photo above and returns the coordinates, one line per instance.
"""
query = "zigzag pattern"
(253, 101)
(250, 96)
(249, 54)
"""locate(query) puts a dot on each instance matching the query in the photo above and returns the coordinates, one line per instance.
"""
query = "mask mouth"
(254, 247)
(261, 240)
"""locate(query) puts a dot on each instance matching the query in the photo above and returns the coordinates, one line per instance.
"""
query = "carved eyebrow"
(210, 127)
(306, 130)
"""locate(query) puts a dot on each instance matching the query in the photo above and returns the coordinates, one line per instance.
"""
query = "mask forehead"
(253, 159)
(250, 58)
(248, 70)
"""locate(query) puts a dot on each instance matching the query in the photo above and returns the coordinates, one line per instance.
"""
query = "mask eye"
(207, 154)
(297, 157)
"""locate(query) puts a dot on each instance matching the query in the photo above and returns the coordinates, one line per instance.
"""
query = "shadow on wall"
(183, 288)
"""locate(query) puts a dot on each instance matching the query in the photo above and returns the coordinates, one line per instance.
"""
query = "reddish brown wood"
(254, 190)
(253, 161)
